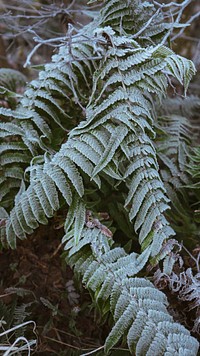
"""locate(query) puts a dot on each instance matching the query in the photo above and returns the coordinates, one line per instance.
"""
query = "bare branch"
(147, 24)
(188, 22)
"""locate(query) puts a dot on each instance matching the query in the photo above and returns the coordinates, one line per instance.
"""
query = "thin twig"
(172, 3)
(58, 42)
(19, 326)
(93, 351)
(188, 22)
(30, 55)
(192, 257)
(56, 250)
(61, 342)
(146, 25)
(190, 38)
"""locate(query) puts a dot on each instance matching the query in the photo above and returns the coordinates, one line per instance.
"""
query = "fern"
(12, 84)
(13, 325)
(183, 284)
(133, 15)
(177, 131)
(122, 107)
(173, 149)
(139, 310)
(43, 111)
(108, 76)
(187, 107)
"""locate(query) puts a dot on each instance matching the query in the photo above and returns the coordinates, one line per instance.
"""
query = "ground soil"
(66, 324)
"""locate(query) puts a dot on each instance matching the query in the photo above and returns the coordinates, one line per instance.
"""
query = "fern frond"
(67, 162)
(139, 310)
(127, 105)
(45, 107)
(194, 164)
(133, 16)
(11, 83)
(186, 107)
(118, 113)
(181, 68)
(177, 132)
(61, 173)
(174, 145)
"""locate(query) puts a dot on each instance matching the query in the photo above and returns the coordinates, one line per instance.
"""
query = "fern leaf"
(58, 177)
(79, 221)
(46, 206)
(150, 219)
(182, 69)
(80, 160)
(11, 79)
(50, 191)
(147, 204)
(121, 326)
(116, 138)
(71, 171)
(139, 310)
(71, 213)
